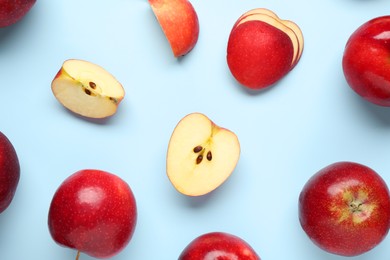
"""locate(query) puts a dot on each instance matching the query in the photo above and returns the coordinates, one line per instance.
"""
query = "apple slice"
(201, 155)
(87, 89)
(179, 22)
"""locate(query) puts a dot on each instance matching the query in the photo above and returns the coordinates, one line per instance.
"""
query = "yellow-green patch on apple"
(201, 155)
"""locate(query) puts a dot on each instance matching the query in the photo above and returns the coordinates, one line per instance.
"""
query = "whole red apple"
(345, 208)
(218, 245)
(9, 172)
(366, 63)
(94, 212)
(11, 11)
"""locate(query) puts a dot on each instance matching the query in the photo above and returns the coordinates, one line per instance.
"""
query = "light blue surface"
(308, 120)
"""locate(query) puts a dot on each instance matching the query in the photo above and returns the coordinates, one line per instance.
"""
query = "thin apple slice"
(201, 155)
(87, 89)
(179, 22)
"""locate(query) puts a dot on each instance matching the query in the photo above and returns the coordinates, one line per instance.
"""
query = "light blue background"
(308, 120)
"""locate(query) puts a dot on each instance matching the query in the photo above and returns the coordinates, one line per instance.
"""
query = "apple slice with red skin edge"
(87, 89)
(201, 155)
(9, 172)
(256, 11)
(345, 208)
(259, 54)
(218, 245)
(179, 22)
(93, 212)
(12, 11)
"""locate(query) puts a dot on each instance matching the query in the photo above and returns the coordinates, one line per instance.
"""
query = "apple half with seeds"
(201, 155)
(262, 48)
(87, 89)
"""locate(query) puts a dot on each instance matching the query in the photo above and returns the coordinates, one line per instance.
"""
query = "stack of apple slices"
(87, 89)
(201, 155)
(262, 48)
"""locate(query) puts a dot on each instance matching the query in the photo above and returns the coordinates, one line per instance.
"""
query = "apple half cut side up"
(179, 22)
(201, 155)
(87, 89)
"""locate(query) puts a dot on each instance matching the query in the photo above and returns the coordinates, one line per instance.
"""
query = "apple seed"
(199, 159)
(92, 85)
(87, 91)
(198, 148)
(209, 156)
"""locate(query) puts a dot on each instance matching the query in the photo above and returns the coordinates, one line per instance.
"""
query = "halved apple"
(179, 22)
(201, 155)
(87, 89)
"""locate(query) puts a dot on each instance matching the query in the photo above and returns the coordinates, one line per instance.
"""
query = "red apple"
(11, 11)
(9, 172)
(345, 209)
(179, 21)
(218, 245)
(366, 63)
(93, 212)
(262, 48)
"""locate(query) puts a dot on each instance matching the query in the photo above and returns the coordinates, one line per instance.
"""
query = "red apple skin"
(11, 11)
(179, 22)
(218, 245)
(94, 212)
(9, 172)
(259, 54)
(345, 208)
(366, 61)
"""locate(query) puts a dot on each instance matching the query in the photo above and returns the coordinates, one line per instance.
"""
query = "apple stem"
(78, 255)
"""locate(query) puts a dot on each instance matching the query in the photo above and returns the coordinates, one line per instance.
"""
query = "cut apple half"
(201, 155)
(87, 89)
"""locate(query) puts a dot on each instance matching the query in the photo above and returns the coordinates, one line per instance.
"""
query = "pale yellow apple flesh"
(87, 89)
(201, 155)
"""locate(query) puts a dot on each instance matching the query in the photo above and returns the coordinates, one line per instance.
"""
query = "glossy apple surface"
(12, 11)
(9, 172)
(218, 245)
(262, 48)
(345, 208)
(93, 212)
(179, 22)
(366, 61)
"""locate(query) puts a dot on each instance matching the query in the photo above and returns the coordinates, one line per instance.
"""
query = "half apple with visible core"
(262, 48)
(87, 89)
(201, 155)
(179, 22)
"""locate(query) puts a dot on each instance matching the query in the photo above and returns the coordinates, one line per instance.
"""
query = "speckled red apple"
(262, 48)
(345, 208)
(12, 11)
(93, 212)
(218, 245)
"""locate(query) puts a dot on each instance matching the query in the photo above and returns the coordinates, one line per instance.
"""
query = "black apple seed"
(209, 156)
(92, 85)
(197, 149)
(199, 159)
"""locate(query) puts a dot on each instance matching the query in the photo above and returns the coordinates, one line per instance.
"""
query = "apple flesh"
(366, 63)
(201, 155)
(218, 245)
(9, 172)
(87, 89)
(94, 212)
(179, 22)
(262, 48)
(345, 208)
(12, 11)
